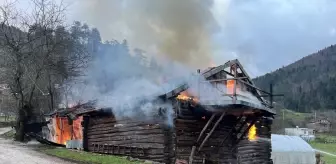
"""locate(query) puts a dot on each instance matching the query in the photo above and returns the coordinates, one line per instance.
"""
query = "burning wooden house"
(236, 128)
(64, 127)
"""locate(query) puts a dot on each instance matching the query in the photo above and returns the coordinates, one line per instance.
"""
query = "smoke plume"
(177, 30)
(117, 81)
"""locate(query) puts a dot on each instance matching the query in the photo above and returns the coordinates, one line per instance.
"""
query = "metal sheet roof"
(284, 143)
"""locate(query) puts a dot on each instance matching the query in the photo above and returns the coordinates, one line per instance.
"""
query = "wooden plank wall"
(137, 139)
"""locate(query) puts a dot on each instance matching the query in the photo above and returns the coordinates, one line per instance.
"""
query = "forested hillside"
(308, 84)
(42, 59)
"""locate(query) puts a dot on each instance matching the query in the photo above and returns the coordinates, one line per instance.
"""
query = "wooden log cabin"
(64, 126)
(235, 129)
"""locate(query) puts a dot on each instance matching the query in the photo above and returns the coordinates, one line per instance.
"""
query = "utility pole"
(283, 119)
(199, 85)
(2, 95)
(271, 96)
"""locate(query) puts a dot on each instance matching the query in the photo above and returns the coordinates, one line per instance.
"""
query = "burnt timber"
(198, 134)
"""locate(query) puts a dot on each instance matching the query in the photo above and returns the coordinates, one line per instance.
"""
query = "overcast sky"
(267, 34)
(263, 34)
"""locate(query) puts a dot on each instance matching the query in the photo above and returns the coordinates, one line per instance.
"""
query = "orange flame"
(65, 132)
(230, 86)
(252, 135)
(185, 96)
(62, 130)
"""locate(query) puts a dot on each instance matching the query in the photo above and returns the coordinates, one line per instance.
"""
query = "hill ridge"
(308, 83)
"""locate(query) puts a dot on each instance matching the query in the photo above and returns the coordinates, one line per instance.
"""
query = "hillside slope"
(308, 84)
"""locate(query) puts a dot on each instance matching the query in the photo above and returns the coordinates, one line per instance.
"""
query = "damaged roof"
(227, 101)
(79, 109)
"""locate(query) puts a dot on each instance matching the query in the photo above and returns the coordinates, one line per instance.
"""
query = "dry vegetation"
(38, 54)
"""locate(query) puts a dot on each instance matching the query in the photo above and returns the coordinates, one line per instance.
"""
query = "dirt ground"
(18, 153)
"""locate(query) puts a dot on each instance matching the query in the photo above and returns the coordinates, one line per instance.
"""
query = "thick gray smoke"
(131, 90)
(117, 80)
(178, 30)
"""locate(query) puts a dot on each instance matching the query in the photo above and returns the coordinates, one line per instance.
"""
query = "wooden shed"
(64, 126)
(235, 129)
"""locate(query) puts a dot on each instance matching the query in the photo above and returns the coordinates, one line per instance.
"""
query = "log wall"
(143, 140)
(258, 151)
(188, 130)
(157, 142)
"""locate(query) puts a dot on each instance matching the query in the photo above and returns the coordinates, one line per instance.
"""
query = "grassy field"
(327, 147)
(76, 156)
(7, 119)
(326, 137)
(293, 119)
(85, 157)
(293, 114)
(330, 148)
(288, 119)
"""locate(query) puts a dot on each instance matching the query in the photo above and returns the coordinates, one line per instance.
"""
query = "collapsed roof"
(79, 109)
(235, 101)
(236, 72)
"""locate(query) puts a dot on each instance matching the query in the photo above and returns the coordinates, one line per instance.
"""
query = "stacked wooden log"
(169, 145)
(143, 140)
(152, 140)
(188, 129)
(256, 151)
(264, 133)
(187, 132)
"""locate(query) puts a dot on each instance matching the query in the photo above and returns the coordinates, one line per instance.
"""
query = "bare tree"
(37, 53)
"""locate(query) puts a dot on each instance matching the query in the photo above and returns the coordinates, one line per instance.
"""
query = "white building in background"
(304, 133)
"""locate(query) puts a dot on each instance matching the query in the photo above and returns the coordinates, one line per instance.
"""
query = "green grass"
(330, 148)
(85, 157)
(7, 124)
(7, 119)
(326, 136)
(291, 119)
(8, 135)
(327, 147)
(293, 115)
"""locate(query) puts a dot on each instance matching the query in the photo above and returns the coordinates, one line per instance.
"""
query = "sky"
(263, 34)
(269, 34)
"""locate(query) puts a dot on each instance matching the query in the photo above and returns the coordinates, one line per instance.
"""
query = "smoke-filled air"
(165, 42)
(175, 30)
(170, 39)
(165, 81)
